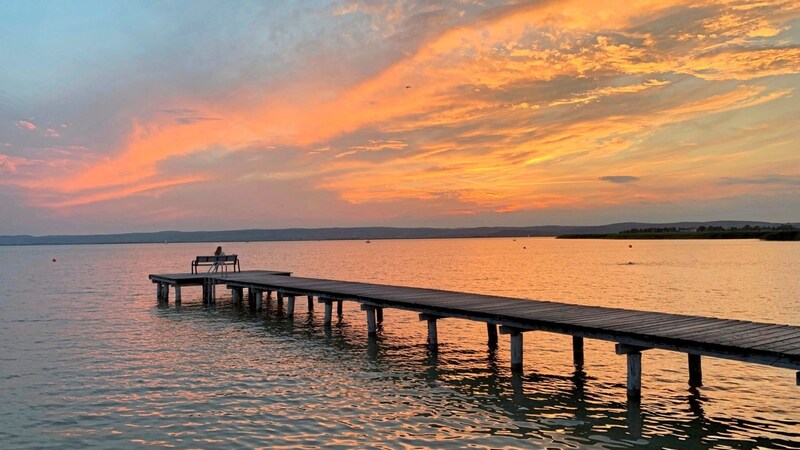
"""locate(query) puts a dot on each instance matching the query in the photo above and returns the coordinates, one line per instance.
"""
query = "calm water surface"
(87, 357)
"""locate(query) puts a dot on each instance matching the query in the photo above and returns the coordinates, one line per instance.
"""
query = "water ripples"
(93, 361)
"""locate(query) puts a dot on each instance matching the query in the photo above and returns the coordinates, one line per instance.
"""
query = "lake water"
(88, 358)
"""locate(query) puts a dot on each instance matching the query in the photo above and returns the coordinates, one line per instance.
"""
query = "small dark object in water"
(630, 246)
(524, 248)
(630, 263)
(54, 260)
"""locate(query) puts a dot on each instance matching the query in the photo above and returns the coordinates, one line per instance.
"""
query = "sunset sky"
(123, 116)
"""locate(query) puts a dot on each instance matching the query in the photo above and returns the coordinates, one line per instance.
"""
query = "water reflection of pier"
(633, 331)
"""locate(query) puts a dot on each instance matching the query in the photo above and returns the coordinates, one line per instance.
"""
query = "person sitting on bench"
(215, 267)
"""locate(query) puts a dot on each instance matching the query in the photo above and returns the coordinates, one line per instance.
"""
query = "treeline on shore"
(631, 229)
(778, 233)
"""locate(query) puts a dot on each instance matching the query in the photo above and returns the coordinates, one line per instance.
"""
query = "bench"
(218, 261)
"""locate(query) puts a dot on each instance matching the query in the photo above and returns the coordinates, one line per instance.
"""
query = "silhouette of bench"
(217, 261)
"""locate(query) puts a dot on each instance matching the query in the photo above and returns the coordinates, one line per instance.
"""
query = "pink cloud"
(25, 124)
(6, 165)
(50, 132)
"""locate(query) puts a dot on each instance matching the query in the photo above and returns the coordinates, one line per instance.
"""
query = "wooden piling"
(236, 296)
(259, 300)
(577, 351)
(177, 294)
(339, 308)
(379, 314)
(208, 291)
(290, 306)
(516, 346)
(328, 311)
(635, 374)
(433, 333)
(251, 299)
(634, 355)
(491, 330)
(695, 370)
(516, 351)
(310, 302)
(159, 290)
(372, 327)
(279, 300)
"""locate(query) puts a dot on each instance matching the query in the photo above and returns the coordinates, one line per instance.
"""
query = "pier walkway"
(632, 331)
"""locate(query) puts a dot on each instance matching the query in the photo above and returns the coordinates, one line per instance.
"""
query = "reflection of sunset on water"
(91, 355)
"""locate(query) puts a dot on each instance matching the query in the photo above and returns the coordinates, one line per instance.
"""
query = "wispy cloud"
(774, 179)
(24, 124)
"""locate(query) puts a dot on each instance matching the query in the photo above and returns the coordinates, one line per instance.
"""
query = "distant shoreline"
(610, 231)
(773, 235)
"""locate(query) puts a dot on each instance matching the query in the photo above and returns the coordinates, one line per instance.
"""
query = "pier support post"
(491, 331)
(635, 374)
(577, 351)
(634, 355)
(237, 293)
(208, 290)
(328, 310)
(516, 346)
(290, 306)
(177, 294)
(165, 293)
(433, 333)
(339, 308)
(310, 302)
(516, 351)
(251, 299)
(158, 291)
(372, 326)
(379, 314)
(695, 371)
(259, 300)
(279, 300)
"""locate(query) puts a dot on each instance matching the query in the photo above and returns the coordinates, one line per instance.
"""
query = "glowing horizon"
(193, 115)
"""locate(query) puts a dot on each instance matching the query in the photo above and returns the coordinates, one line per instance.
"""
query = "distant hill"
(357, 233)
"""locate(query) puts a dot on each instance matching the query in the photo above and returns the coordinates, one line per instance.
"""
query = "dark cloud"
(619, 179)
(766, 179)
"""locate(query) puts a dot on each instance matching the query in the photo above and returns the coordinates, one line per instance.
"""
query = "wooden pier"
(633, 331)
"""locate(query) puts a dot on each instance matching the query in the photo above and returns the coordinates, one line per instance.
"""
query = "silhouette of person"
(215, 267)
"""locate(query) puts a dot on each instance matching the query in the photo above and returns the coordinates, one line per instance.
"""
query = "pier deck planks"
(762, 343)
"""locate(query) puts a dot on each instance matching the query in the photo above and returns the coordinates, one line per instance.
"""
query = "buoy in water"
(630, 246)
(54, 260)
